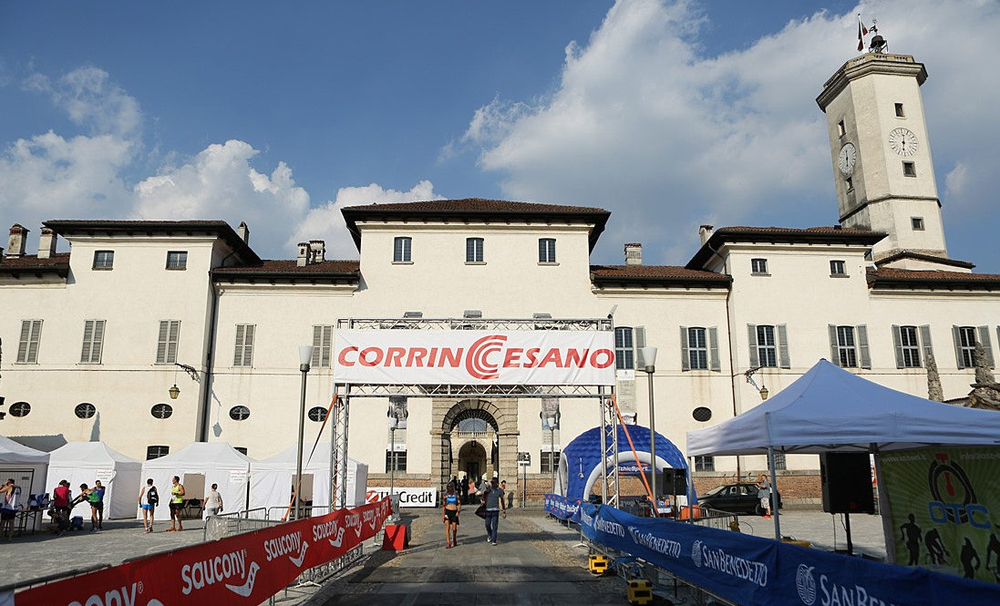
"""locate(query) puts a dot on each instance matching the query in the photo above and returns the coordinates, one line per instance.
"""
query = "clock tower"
(881, 153)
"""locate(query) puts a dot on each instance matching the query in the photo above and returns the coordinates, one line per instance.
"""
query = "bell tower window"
(841, 131)
(899, 110)
(909, 169)
(917, 223)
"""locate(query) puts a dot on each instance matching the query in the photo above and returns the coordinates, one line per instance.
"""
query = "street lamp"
(397, 414)
(649, 359)
(176, 391)
(550, 415)
(305, 357)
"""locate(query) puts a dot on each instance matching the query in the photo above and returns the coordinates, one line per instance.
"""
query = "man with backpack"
(149, 506)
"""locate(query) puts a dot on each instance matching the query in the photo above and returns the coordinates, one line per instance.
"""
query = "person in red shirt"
(61, 498)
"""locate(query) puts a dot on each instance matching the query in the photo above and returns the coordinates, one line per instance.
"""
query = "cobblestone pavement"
(43, 553)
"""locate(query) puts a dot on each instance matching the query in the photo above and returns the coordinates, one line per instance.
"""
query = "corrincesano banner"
(540, 357)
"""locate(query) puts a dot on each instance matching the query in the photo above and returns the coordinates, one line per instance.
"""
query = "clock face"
(903, 142)
(847, 159)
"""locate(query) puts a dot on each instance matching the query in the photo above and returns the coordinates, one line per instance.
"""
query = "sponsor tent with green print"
(831, 409)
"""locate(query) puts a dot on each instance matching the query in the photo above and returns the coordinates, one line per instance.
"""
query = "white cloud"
(648, 125)
(90, 99)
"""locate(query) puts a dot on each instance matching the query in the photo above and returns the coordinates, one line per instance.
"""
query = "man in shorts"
(9, 495)
(97, 503)
(149, 498)
(176, 503)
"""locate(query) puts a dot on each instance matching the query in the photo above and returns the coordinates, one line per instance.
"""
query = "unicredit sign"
(540, 357)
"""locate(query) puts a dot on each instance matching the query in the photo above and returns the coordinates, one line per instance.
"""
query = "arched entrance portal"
(478, 438)
(472, 461)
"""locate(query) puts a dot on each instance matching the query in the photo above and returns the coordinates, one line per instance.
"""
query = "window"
(837, 268)
(155, 452)
(702, 414)
(758, 266)
(85, 410)
(239, 413)
(474, 250)
(317, 414)
(161, 411)
(899, 110)
(549, 461)
(909, 169)
(907, 346)
(779, 461)
(841, 131)
(27, 347)
(767, 353)
(104, 259)
(697, 349)
(917, 223)
(849, 346)
(166, 342)
(848, 184)
(19, 409)
(399, 459)
(624, 352)
(177, 259)
(546, 250)
(966, 339)
(473, 425)
(322, 343)
(244, 345)
(93, 341)
(401, 249)
(704, 463)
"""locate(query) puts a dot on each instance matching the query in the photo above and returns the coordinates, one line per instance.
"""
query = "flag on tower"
(862, 32)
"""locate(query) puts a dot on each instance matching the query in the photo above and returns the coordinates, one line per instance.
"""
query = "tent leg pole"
(774, 493)
(888, 532)
(847, 527)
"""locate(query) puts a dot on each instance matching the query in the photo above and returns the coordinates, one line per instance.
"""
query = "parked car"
(735, 498)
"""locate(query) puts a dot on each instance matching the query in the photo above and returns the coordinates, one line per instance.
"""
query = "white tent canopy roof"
(84, 462)
(831, 409)
(90, 453)
(14, 452)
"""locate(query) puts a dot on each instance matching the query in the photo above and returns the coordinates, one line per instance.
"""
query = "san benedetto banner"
(459, 357)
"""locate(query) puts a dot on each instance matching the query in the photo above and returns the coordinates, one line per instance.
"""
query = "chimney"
(705, 232)
(18, 238)
(633, 253)
(47, 243)
(243, 232)
(318, 249)
(303, 259)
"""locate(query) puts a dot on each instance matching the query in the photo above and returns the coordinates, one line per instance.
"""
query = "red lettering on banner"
(247, 568)
(342, 358)
(609, 358)
(532, 357)
(512, 358)
(576, 357)
(366, 361)
(394, 356)
(451, 357)
(554, 357)
(416, 357)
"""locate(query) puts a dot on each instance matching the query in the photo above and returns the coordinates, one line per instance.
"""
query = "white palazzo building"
(93, 339)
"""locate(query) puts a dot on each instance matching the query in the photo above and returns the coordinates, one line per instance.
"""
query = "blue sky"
(669, 114)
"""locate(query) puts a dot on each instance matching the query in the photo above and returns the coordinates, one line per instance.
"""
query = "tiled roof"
(810, 235)
(31, 264)
(919, 256)
(887, 277)
(289, 269)
(222, 229)
(475, 209)
(655, 274)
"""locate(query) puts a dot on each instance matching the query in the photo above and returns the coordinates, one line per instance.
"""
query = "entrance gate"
(477, 359)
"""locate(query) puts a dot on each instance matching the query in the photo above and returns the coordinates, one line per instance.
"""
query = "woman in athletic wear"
(149, 506)
(213, 502)
(98, 504)
(452, 505)
(176, 503)
(90, 496)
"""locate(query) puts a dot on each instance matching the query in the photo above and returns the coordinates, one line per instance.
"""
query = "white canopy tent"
(200, 465)
(26, 465)
(84, 462)
(831, 409)
(272, 479)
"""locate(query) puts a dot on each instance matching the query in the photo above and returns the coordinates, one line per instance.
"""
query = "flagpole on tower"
(862, 32)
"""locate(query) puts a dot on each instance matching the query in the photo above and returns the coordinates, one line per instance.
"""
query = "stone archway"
(500, 414)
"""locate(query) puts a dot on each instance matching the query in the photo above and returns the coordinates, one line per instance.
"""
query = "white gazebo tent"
(272, 479)
(84, 462)
(200, 465)
(831, 409)
(26, 465)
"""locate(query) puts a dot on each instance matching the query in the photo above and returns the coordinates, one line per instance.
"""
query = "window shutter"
(925, 341)
(238, 354)
(713, 352)
(327, 346)
(784, 360)
(317, 345)
(956, 333)
(897, 342)
(541, 250)
(22, 346)
(33, 340)
(88, 336)
(161, 343)
(248, 345)
(866, 361)
(984, 338)
(834, 353)
(752, 339)
(685, 358)
(95, 349)
(640, 341)
(172, 338)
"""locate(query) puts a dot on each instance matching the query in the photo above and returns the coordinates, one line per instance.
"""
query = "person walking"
(176, 503)
(149, 507)
(213, 502)
(764, 494)
(10, 493)
(452, 506)
(98, 504)
(90, 496)
(465, 491)
(495, 503)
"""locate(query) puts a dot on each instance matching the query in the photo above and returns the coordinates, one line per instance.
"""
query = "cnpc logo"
(954, 496)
